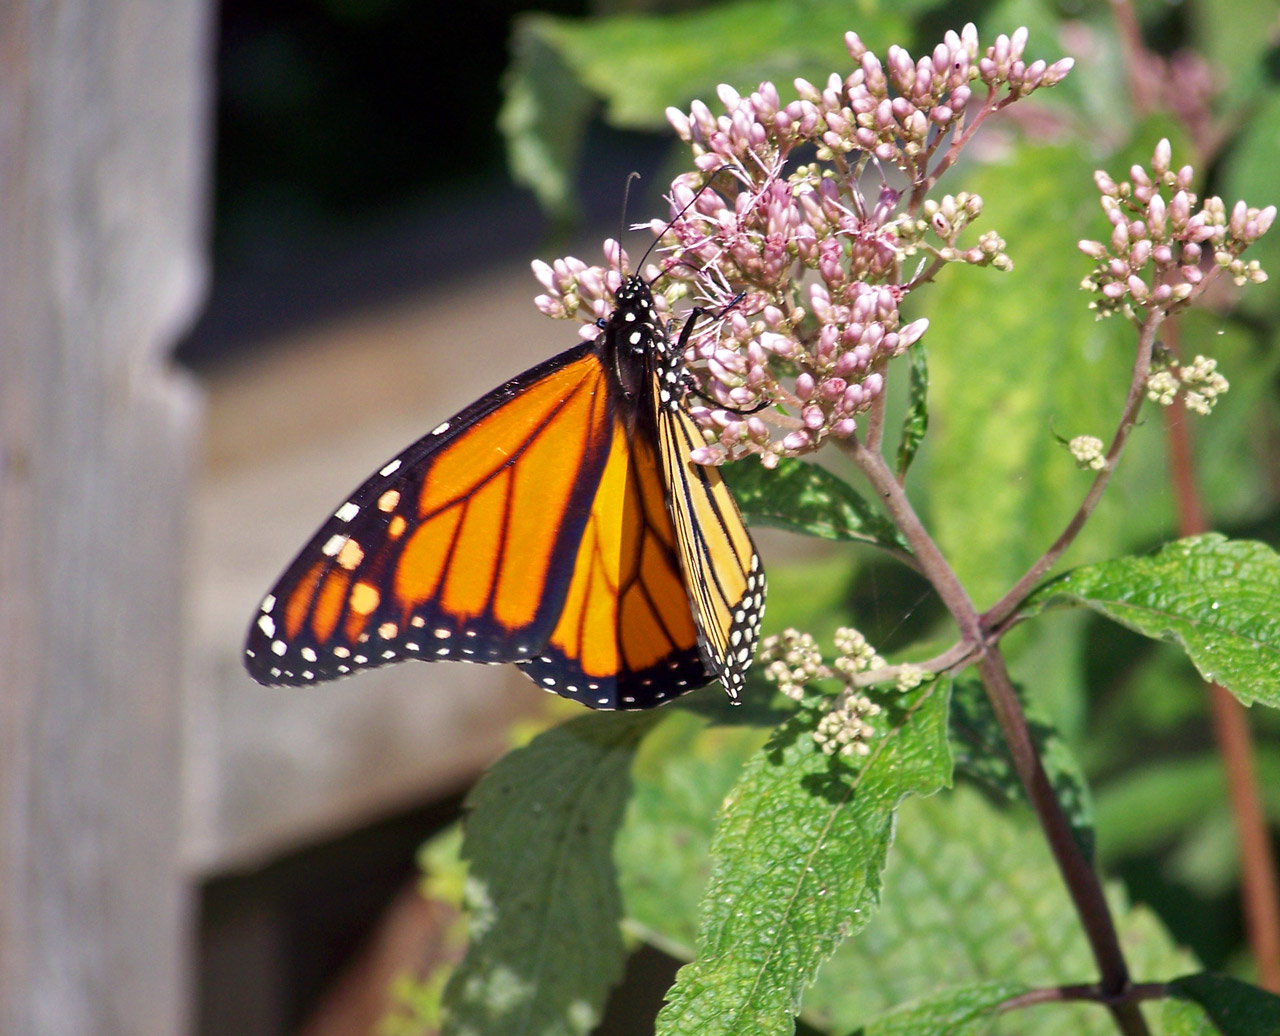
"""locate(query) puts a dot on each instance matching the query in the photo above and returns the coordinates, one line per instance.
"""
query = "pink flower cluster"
(1160, 252)
(805, 271)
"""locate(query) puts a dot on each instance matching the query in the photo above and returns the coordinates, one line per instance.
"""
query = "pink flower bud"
(1161, 157)
(795, 442)
(1093, 249)
(1058, 71)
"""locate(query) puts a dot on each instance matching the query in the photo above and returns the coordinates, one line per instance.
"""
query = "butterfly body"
(556, 523)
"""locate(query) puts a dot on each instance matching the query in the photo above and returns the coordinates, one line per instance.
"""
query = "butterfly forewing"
(461, 547)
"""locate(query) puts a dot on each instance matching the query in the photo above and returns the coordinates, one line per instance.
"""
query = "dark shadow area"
(271, 942)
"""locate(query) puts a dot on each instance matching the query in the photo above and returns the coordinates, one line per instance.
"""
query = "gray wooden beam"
(104, 110)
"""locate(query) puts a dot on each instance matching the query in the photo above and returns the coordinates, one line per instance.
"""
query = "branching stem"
(1077, 872)
(1000, 612)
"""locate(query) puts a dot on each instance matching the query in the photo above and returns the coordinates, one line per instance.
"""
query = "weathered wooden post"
(104, 135)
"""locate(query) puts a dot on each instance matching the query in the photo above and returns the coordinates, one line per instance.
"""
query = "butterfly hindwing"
(721, 567)
(626, 638)
(461, 547)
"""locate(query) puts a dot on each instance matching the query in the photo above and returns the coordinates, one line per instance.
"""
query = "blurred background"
(360, 247)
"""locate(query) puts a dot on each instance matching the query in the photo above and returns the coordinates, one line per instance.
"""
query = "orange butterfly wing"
(626, 637)
(460, 547)
(557, 523)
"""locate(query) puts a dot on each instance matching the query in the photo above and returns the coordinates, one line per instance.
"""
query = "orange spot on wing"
(299, 602)
(329, 601)
(364, 598)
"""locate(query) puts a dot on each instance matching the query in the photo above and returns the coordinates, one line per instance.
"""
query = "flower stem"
(1260, 896)
(1003, 609)
(1081, 880)
(1090, 991)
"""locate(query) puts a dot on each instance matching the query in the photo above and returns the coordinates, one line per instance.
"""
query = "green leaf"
(972, 895)
(543, 118)
(545, 945)
(1215, 597)
(808, 499)
(966, 1011)
(1237, 39)
(641, 64)
(916, 421)
(796, 865)
(982, 755)
(1184, 1018)
(1237, 1008)
(682, 773)
(1013, 358)
(1146, 809)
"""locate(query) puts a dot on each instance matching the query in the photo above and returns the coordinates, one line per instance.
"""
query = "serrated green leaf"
(641, 64)
(1237, 1008)
(971, 894)
(543, 118)
(808, 499)
(1214, 596)
(545, 945)
(981, 755)
(966, 1011)
(916, 421)
(796, 867)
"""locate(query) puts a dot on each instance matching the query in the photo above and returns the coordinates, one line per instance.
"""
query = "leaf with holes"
(808, 499)
(544, 903)
(1215, 597)
(796, 865)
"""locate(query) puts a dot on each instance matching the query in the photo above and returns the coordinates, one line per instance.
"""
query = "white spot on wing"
(347, 511)
(391, 468)
(267, 624)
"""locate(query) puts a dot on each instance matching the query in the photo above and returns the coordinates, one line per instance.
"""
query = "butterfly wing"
(461, 547)
(721, 567)
(626, 637)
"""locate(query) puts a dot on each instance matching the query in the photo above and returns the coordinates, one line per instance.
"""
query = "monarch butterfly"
(557, 523)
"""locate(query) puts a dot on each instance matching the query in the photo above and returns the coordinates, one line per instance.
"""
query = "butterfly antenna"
(622, 217)
(671, 222)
